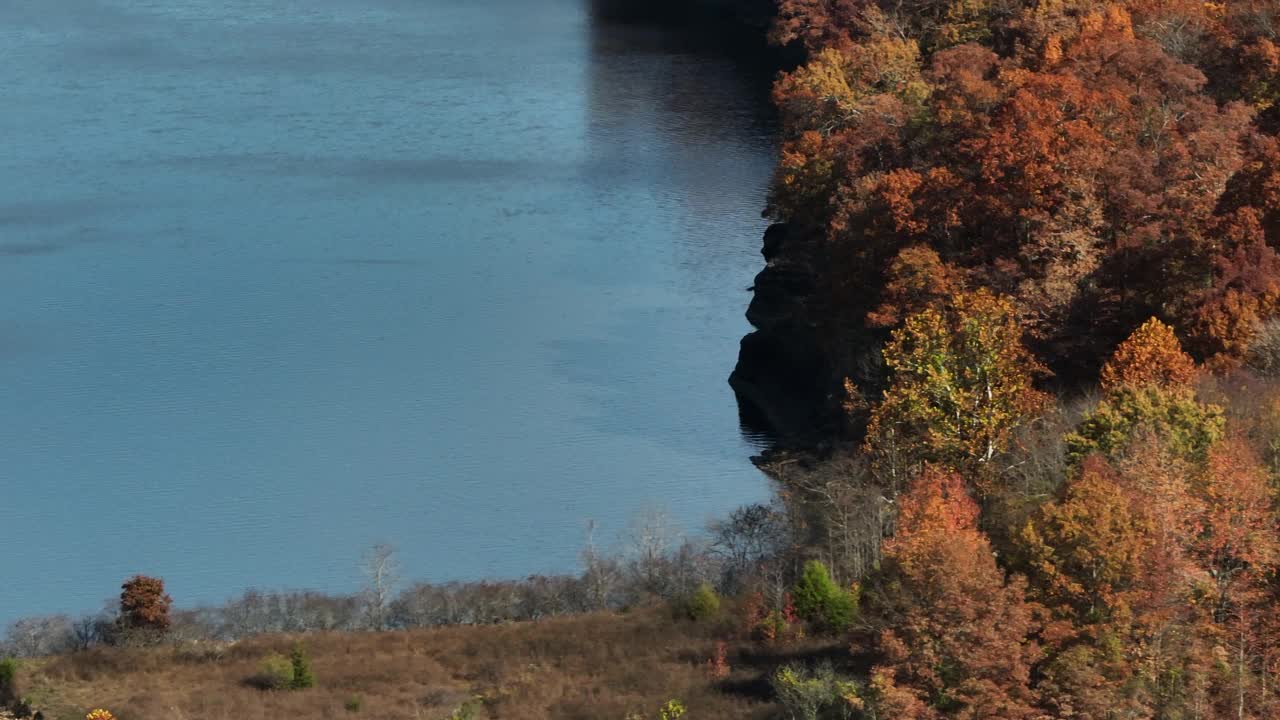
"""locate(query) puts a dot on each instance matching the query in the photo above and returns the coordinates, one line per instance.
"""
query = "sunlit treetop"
(1152, 355)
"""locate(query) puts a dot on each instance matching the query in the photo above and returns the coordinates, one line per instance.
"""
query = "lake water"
(285, 278)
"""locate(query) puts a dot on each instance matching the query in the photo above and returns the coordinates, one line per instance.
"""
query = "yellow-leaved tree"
(960, 384)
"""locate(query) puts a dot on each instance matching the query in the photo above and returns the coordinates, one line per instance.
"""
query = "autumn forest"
(1058, 223)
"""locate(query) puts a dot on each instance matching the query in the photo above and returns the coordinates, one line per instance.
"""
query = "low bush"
(780, 626)
(820, 601)
(275, 672)
(467, 710)
(8, 682)
(718, 665)
(353, 704)
(673, 710)
(201, 652)
(817, 694)
(703, 604)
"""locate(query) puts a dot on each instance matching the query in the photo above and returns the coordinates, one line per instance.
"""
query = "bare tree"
(545, 596)
(486, 601)
(833, 508)
(382, 575)
(688, 566)
(599, 573)
(90, 630)
(650, 539)
(750, 537)
(855, 519)
(39, 636)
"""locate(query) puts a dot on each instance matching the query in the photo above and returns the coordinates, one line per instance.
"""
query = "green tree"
(303, 677)
(820, 600)
(1148, 391)
(8, 681)
(1186, 426)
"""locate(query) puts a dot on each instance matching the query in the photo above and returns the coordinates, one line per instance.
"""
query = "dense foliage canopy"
(1006, 191)
(1099, 163)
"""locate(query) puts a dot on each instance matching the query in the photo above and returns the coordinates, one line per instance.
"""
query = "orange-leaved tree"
(916, 279)
(955, 639)
(1238, 528)
(1085, 551)
(1237, 549)
(1096, 557)
(1152, 355)
(1078, 157)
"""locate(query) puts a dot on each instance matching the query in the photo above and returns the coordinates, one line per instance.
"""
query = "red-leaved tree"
(144, 605)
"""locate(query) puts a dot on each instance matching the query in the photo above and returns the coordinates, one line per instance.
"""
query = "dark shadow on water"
(732, 29)
(747, 19)
(682, 106)
(754, 425)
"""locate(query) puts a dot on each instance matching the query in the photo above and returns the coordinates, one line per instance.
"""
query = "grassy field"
(591, 666)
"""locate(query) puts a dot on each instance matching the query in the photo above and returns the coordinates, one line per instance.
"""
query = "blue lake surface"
(285, 278)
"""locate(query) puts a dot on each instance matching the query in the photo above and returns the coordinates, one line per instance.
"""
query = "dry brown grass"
(592, 666)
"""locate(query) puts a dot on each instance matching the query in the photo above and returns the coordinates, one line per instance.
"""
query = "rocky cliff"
(780, 377)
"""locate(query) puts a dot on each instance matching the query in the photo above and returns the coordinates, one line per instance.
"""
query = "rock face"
(781, 378)
(791, 372)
